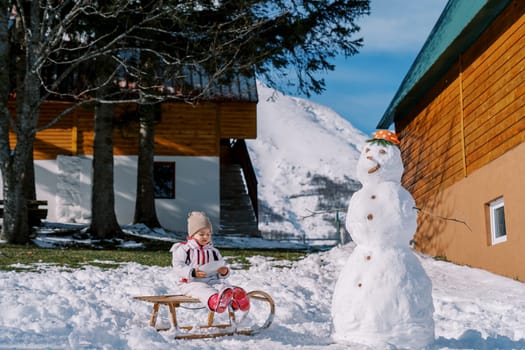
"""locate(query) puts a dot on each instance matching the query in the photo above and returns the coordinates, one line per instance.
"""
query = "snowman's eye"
(382, 151)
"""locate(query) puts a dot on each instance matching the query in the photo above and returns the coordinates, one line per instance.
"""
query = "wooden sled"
(211, 329)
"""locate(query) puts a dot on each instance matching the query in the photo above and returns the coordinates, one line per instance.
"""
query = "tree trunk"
(4, 112)
(104, 223)
(16, 228)
(14, 163)
(29, 178)
(145, 212)
(30, 189)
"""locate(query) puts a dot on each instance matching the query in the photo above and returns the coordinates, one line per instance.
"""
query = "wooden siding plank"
(496, 68)
(505, 122)
(495, 76)
(435, 159)
(56, 139)
(238, 120)
(487, 125)
(506, 144)
(418, 137)
(503, 137)
(434, 140)
(442, 158)
(427, 143)
(441, 180)
(501, 42)
(187, 130)
(431, 174)
(431, 105)
(502, 86)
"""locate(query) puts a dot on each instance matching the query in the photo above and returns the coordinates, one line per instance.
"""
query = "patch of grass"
(75, 257)
(24, 258)
(241, 255)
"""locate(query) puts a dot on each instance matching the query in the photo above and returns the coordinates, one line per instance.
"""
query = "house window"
(164, 179)
(498, 231)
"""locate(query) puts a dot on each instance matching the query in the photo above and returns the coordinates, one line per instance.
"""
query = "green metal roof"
(460, 24)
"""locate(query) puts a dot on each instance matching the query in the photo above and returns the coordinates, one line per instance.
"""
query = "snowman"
(383, 297)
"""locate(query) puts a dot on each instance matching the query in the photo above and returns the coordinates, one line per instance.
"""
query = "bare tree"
(58, 39)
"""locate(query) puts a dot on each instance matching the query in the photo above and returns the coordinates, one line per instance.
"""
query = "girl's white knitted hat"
(197, 220)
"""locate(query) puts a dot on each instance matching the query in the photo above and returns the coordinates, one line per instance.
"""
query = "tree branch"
(313, 213)
(443, 217)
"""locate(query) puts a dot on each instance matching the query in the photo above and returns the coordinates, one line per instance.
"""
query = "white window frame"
(493, 207)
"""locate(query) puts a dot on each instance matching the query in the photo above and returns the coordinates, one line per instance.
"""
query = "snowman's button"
(370, 216)
(373, 196)
(368, 257)
(359, 285)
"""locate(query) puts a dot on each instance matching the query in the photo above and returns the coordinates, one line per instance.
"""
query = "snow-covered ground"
(92, 307)
(302, 147)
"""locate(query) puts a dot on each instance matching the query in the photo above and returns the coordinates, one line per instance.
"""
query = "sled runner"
(211, 329)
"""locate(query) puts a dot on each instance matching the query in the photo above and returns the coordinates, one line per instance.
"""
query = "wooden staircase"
(238, 212)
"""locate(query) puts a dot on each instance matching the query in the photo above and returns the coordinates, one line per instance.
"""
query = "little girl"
(201, 271)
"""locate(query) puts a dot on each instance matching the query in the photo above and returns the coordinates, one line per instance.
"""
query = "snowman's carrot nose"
(374, 169)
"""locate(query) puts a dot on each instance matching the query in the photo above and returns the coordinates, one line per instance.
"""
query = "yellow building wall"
(466, 239)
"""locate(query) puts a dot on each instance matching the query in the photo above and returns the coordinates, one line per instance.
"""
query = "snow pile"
(304, 157)
(92, 308)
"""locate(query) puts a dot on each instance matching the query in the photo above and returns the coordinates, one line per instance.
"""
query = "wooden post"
(338, 222)
(210, 318)
(173, 315)
(153, 319)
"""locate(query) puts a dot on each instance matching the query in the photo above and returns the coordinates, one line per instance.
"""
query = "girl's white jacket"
(188, 255)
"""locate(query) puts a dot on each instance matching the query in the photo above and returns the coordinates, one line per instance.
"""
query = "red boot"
(240, 299)
(219, 302)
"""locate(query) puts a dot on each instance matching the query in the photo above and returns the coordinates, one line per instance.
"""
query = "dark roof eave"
(425, 72)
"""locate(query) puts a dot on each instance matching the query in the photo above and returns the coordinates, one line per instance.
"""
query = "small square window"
(164, 179)
(498, 231)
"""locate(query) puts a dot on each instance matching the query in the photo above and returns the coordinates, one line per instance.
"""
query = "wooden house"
(460, 116)
(201, 160)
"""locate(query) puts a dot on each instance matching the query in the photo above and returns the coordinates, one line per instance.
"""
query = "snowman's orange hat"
(382, 136)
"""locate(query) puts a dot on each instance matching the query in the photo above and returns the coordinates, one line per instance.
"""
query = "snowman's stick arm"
(443, 217)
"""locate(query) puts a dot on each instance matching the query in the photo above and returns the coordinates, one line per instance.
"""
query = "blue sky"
(362, 86)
